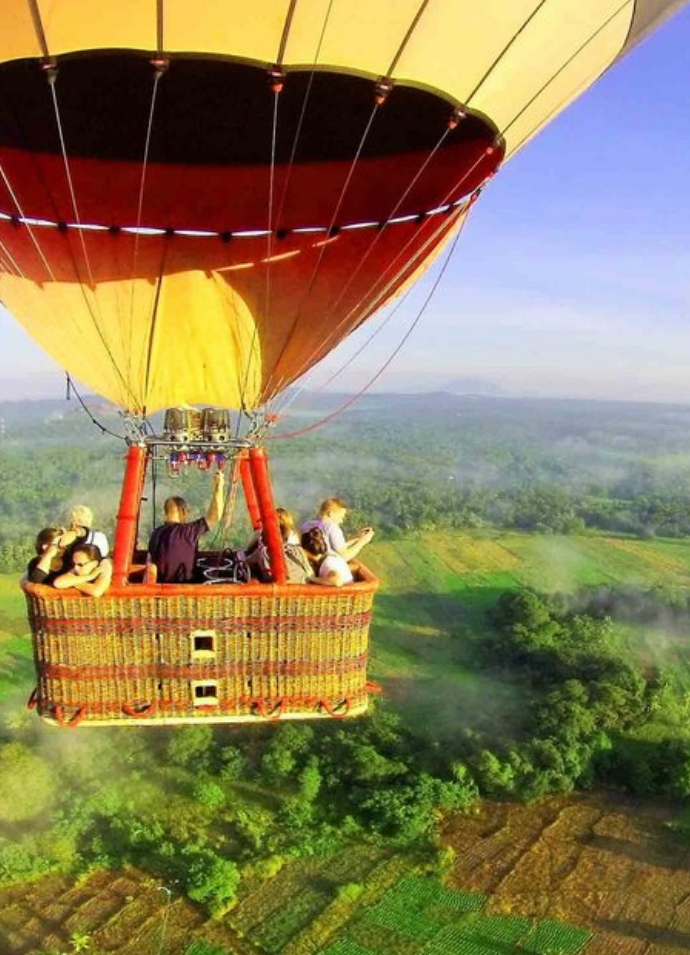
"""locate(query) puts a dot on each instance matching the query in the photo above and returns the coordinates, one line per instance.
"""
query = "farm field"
(594, 873)
(435, 590)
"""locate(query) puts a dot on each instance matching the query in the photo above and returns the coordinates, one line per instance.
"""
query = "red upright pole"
(258, 461)
(128, 514)
(249, 491)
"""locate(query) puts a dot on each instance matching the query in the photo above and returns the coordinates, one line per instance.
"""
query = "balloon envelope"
(199, 201)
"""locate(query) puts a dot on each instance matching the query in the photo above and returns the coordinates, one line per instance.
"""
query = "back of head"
(175, 509)
(45, 538)
(81, 516)
(330, 505)
(285, 523)
(314, 542)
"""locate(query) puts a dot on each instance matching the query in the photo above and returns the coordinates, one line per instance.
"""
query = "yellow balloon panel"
(192, 341)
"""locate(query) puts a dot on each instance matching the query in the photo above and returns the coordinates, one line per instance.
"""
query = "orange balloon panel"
(227, 323)
(207, 274)
(199, 200)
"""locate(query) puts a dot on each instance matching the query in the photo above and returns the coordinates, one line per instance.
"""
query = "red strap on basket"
(373, 687)
(333, 709)
(33, 699)
(73, 721)
(129, 709)
(276, 710)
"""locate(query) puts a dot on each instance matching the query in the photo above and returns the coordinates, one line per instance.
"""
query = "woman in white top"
(80, 532)
(332, 570)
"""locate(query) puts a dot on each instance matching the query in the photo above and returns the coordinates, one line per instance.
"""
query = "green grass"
(429, 614)
(16, 665)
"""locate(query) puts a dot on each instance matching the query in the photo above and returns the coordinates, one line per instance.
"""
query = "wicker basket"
(155, 654)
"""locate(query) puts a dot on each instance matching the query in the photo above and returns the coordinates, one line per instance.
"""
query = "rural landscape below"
(520, 782)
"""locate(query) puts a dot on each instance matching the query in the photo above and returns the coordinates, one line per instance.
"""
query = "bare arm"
(332, 579)
(46, 559)
(215, 508)
(95, 585)
(354, 545)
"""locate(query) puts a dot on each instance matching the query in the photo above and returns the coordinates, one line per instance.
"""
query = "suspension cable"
(281, 409)
(339, 202)
(363, 307)
(379, 232)
(71, 387)
(29, 226)
(160, 65)
(277, 80)
(303, 111)
(353, 398)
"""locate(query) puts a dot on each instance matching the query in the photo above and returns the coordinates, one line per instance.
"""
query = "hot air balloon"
(197, 203)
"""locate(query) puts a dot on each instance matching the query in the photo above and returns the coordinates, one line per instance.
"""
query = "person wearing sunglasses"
(90, 573)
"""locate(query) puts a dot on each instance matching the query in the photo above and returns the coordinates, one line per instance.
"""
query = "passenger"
(173, 545)
(90, 573)
(331, 569)
(49, 560)
(332, 513)
(286, 523)
(80, 532)
(297, 564)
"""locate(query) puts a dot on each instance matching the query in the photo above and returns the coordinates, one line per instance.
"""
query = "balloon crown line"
(331, 232)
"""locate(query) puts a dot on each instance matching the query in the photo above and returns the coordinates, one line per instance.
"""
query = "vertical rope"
(52, 77)
(22, 216)
(353, 398)
(303, 111)
(160, 66)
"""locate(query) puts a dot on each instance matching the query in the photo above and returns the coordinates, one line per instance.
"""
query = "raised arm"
(215, 508)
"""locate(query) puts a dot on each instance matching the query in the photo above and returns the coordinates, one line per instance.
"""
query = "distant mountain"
(472, 386)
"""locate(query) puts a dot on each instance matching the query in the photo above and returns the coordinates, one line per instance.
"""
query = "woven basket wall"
(223, 653)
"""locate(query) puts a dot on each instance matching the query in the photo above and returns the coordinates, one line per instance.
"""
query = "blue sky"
(571, 278)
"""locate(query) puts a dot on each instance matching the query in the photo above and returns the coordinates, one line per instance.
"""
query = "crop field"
(592, 873)
(564, 876)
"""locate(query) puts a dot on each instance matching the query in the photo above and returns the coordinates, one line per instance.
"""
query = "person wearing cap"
(332, 513)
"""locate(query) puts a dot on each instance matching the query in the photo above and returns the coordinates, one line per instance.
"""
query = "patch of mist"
(560, 563)
(446, 710)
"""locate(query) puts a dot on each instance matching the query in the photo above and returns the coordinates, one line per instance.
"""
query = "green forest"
(450, 462)
(501, 679)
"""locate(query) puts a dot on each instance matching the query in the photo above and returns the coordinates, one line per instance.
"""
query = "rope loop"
(270, 710)
(135, 710)
(72, 721)
(338, 709)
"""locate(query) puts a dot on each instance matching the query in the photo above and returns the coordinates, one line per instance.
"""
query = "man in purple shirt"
(173, 546)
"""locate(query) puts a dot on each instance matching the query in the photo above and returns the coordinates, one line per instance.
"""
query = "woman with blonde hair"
(80, 530)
